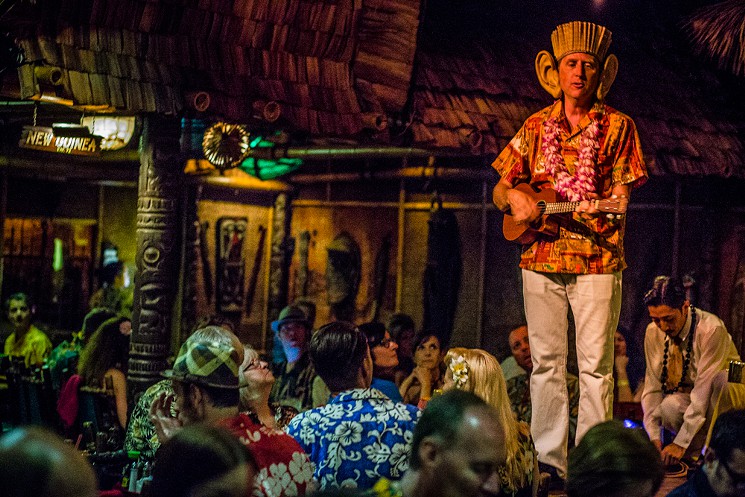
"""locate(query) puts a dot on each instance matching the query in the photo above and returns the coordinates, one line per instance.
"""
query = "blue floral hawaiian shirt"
(358, 437)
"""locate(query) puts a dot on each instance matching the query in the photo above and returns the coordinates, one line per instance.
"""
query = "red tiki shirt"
(592, 246)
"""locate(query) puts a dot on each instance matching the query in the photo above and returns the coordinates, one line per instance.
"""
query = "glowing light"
(116, 131)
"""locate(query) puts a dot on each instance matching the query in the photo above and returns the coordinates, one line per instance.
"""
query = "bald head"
(458, 444)
(520, 347)
(36, 462)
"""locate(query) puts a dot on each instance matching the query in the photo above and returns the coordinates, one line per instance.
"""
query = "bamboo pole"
(400, 245)
(482, 261)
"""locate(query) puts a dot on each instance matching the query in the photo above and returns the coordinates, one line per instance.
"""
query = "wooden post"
(3, 216)
(282, 247)
(158, 255)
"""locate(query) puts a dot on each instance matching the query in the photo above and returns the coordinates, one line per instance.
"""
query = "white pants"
(595, 300)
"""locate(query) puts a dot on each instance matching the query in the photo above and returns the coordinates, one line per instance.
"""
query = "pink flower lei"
(573, 188)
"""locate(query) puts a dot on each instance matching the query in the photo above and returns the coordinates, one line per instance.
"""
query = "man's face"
(19, 314)
(294, 335)
(669, 319)
(728, 477)
(619, 344)
(187, 412)
(464, 467)
(520, 348)
(579, 75)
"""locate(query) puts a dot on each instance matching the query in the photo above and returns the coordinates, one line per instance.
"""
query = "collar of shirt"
(359, 394)
(557, 112)
(683, 335)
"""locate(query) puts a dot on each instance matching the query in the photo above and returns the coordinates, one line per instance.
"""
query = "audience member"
(385, 359)
(518, 387)
(115, 291)
(614, 461)
(687, 351)
(27, 342)
(256, 381)
(623, 391)
(204, 461)
(65, 356)
(458, 444)
(141, 434)
(402, 330)
(477, 371)
(427, 374)
(106, 356)
(36, 462)
(297, 384)
(510, 367)
(360, 435)
(723, 471)
(205, 383)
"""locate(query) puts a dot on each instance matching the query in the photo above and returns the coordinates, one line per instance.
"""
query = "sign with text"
(43, 138)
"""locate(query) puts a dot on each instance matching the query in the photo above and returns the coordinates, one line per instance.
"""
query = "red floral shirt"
(582, 246)
(284, 469)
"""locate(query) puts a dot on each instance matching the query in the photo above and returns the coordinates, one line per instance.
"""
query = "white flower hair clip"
(459, 368)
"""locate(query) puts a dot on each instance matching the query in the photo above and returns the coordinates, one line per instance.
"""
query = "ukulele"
(549, 203)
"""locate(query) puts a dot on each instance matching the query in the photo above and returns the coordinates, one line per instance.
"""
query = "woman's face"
(385, 354)
(256, 372)
(619, 345)
(427, 353)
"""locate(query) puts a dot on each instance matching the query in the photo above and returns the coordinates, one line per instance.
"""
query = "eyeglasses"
(738, 480)
(257, 363)
(386, 343)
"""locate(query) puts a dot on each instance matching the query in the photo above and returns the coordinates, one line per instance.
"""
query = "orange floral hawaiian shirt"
(583, 246)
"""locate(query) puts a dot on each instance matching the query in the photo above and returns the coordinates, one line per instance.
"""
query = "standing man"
(585, 150)
(297, 383)
(27, 342)
(687, 351)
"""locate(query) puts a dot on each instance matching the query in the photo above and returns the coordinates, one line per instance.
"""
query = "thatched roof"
(156, 56)
(475, 83)
(339, 68)
(718, 31)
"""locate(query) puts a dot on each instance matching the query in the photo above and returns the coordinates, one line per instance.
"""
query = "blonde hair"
(484, 378)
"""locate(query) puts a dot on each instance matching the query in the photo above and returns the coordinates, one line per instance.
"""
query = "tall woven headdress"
(578, 36)
(573, 37)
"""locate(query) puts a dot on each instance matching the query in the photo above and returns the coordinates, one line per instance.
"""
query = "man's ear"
(196, 395)
(548, 73)
(610, 70)
(429, 450)
(367, 367)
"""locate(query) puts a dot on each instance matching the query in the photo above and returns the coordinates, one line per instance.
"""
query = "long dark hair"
(108, 348)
